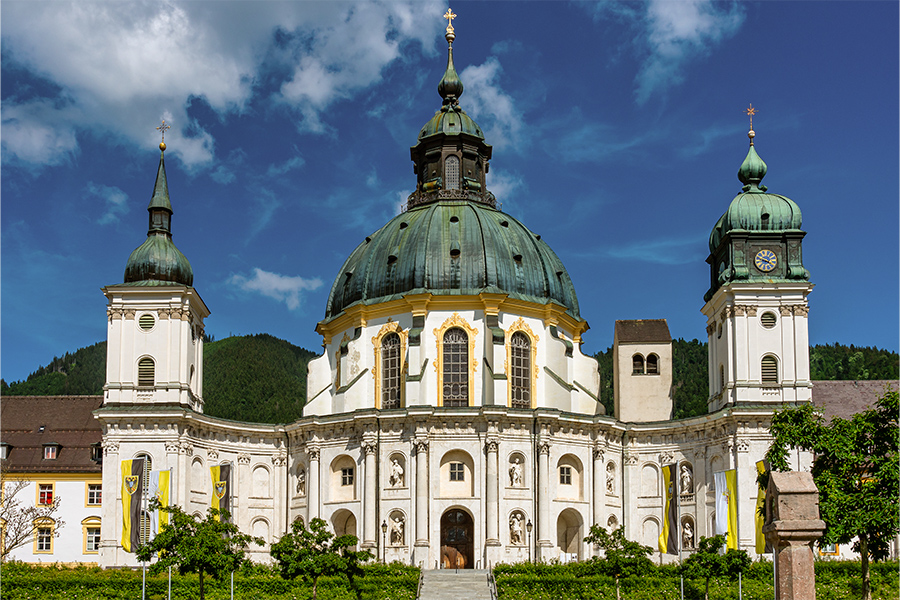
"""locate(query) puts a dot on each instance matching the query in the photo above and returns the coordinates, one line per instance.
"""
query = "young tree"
(315, 552)
(622, 556)
(20, 523)
(205, 546)
(856, 470)
(706, 562)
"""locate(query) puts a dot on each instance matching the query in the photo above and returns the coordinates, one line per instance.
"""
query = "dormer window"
(51, 451)
(4, 451)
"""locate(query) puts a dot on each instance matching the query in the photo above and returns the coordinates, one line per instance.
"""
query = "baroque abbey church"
(452, 419)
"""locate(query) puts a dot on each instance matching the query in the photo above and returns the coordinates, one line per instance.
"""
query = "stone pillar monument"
(792, 525)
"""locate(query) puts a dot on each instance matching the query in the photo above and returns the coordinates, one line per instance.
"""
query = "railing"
(419, 586)
(492, 583)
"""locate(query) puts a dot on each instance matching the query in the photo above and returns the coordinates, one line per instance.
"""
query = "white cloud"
(668, 251)
(119, 66)
(295, 162)
(115, 200)
(503, 185)
(484, 100)
(282, 288)
(670, 34)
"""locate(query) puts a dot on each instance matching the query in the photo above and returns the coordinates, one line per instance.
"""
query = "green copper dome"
(451, 120)
(452, 248)
(753, 209)
(157, 261)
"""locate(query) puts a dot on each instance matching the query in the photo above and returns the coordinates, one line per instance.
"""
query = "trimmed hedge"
(24, 582)
(835, 580)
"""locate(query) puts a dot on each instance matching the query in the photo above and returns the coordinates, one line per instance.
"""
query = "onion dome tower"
(155, 331)
(757, 298)
(452, 265)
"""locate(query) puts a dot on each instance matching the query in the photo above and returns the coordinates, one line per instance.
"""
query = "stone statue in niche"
(610, 479)
(396, 477)
(687, 535)
(397, 531)
(515, 473)
(515, 530)
(301, 482)
(687, 480)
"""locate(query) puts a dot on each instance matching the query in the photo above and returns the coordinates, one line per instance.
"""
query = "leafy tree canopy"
(210, 546)
(856, 469)
(316, 552)
(622, 557)
(706, 562)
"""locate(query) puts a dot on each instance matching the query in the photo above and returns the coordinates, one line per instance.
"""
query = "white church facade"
(452, 418)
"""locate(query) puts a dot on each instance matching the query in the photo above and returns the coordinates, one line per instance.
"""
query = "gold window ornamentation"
(90, 532)
(389, 367)
(455, 340)
(521, 365)
(43, 536)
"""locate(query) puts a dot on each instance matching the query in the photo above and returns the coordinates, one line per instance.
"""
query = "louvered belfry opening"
(769, 369)
(768, 320)
(520, 370)
(652, 365)
(456, 368)
(146, 372)
(637, 365)
(390, 368)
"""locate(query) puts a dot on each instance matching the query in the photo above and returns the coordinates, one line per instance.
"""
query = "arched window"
(456, 368)
(769, 369)
(451, 173)
(652, 365)
(637, 365)
(390, 369)
(520, 370)
(145, 527)
(146, 372)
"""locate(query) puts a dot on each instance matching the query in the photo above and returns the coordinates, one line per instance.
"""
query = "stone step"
(450, 584)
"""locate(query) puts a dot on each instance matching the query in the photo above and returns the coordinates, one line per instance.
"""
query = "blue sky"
(618, 130)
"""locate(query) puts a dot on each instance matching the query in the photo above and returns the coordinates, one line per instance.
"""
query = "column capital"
(420, 446)
(492, 445)
(369, 447)
(544, 447)
(312, 451)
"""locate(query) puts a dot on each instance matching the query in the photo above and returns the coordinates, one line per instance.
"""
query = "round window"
(146, 322)
(768, 319)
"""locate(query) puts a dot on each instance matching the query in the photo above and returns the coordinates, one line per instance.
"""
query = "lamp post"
(528, 527)
(383, 538)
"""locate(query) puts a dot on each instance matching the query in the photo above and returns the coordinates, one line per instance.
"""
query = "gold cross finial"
(162, 129)
(449, 16)
(750, 112)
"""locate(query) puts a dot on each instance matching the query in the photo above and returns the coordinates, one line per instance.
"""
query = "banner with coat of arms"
(221, 481)
(132, 502)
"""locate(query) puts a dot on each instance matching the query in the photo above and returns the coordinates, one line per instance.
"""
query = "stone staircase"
(450, 584)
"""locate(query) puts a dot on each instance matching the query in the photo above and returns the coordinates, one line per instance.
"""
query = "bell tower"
(756, 306)
(155, 318)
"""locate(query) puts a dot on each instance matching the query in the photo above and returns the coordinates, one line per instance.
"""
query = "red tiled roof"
(846, 398)
(642, 330)
(66, 420)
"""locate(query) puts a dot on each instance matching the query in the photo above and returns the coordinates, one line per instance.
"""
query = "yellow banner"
(760, 518)
(731, 541)
(132, 498)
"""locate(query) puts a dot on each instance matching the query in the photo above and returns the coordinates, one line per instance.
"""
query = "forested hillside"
(262, 378)
(249, 378)
(256, 378)
(690, 377)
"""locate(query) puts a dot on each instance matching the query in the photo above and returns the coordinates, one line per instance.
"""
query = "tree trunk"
(706, 594)
(618, 597)
(201, 584)
(315, 585)
(864, 552)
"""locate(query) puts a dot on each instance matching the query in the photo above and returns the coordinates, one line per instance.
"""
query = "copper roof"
(642, 330)
(28, 423)
(846, 398)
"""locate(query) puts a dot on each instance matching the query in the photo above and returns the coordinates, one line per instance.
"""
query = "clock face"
(765, 260)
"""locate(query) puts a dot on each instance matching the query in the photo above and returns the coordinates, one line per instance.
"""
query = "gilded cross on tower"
(750, 112)
(449, 16)
(162, 129)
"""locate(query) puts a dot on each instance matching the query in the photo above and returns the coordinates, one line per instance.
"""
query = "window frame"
(455, 321)
(141, 380)
(44, 524)
(87, 493)
(39, 492)
(457, 471)
(531, 371)
(565, 474)
(378, 367)
(647, 361)
(772, 361)
(347, 476)
(634, 368)
(52, 450)
(87, 526)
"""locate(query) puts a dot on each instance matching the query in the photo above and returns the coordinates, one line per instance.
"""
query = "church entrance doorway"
(457, 539)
